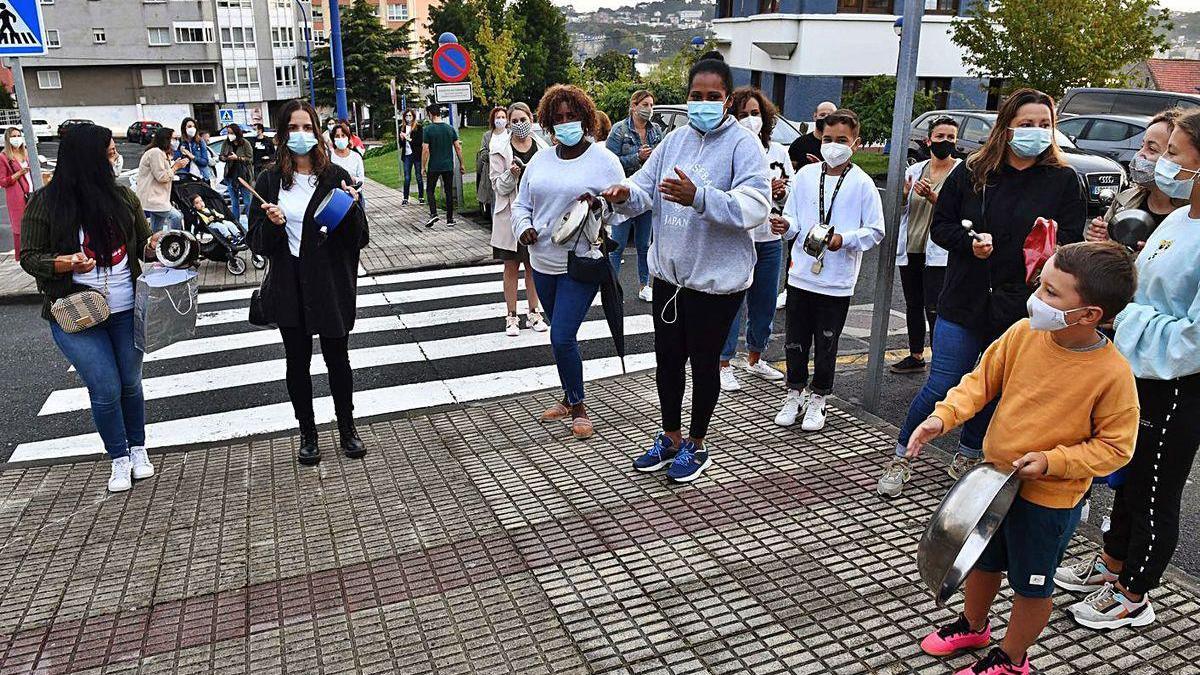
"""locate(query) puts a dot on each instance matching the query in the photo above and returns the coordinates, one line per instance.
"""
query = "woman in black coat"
(311, 286)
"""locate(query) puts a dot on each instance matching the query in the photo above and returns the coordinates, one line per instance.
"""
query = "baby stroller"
(213, 245)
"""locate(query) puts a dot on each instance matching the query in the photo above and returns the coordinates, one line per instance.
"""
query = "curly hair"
(577, 101)
(492, 116)
(766, 108)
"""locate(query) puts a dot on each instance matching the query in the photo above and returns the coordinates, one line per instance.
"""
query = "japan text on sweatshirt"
(1159, 332)
(857, 215)
(708, 246)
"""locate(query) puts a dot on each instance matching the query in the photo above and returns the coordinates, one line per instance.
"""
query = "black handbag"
(259, 315)
(589, 270)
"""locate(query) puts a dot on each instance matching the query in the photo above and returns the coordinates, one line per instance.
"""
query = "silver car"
(1117, 137)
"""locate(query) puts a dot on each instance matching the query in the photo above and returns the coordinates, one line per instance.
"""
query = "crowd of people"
(714, 209)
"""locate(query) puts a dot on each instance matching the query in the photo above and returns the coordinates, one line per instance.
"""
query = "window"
(938, 88)
(1187, 103)
(98, 36)
(285, 76)
(159, 37)
(193, 32)
(1073, 127)
(184, 76)
(1089, 103)
(1140, 104)
(152, 77)
(397, 12)
(237, 37)
(756, 79)
(865, 6)
(241, 78)
(995, 93)
(1110, 130)
(52, 41)
(233, 3)
(319, 38)
(724, 9)
(768, 6)
(778, 89)
(851, 85)
(941, 7)
(975, 130)
(283, 37)
(49, 79)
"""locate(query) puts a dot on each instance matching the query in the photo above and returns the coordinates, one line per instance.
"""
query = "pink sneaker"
(997, 663)
(955, 637)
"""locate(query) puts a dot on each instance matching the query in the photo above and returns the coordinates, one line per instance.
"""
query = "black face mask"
(941, 149)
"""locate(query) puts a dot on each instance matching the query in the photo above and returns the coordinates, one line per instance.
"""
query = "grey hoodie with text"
(707, 246)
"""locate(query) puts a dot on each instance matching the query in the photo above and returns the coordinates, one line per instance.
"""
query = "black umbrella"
(612, 300)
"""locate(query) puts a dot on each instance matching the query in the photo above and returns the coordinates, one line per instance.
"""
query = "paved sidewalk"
(399, 242)
(474, 539)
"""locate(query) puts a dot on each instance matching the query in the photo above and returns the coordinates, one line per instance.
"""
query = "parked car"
(65, 126)
(42, 130)
(672, 116)
(1095, 172)
(1117, 137)
(142, 132)
(1099, 101)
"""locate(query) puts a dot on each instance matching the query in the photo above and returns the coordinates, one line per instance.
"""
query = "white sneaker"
(791, 407)
(891, 483)
(814, 414)
(764, 370)
(1108, 608)
(1086, 575)
(512, 326)
(120, 480)
(728, 380)
(781, 301)
(646, 294)
(536, 323)
(142, 468)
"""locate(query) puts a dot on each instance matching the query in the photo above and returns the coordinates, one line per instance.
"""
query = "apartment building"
(118, 61)
(392, 14)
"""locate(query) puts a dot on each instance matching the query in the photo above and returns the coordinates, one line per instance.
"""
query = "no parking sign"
(452, 62)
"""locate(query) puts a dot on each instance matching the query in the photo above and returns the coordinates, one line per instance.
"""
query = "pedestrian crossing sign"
(225, 115)
(21, 28)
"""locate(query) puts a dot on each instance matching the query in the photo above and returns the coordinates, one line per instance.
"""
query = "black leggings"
(431, 181)
(695, 329)
(1145, 516)
(297, 347)
(922, 285)
(816, 320)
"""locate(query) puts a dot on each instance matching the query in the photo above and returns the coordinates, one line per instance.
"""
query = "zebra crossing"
(421, 339)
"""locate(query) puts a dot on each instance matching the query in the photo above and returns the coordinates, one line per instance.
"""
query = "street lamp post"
(312, 89)
(339, 69)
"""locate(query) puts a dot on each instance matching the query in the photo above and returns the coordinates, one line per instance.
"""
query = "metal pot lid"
(177, 248)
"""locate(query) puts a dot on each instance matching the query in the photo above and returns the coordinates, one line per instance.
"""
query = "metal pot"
(578, 215)
(962, 526)
(177, 248)
(1130, 227)
(817, 239)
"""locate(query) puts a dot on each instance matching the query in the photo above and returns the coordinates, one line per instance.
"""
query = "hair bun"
(712, 56)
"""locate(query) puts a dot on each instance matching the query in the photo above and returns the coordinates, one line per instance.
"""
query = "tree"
(1052, 46)
(371, 57)
(874, 102)
(496, 69)
(611, 66)
(7, 100)
(544, 46)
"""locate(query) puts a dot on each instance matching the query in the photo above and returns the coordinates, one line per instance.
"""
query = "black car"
(1095, 172)
(65, 126)
(142, 132)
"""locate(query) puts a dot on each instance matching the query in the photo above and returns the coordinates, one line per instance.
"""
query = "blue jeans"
(760, 301)
(641, 228)
(566, 302)
(239, 197)
(956, 351)
(413, 163)
(111, 368)
(165, 220)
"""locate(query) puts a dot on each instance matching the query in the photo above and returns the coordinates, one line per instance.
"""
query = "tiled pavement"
(399, 242)
(473, 539)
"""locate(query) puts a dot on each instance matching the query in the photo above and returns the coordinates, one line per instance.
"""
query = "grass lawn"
(874, 163)
(384, 168)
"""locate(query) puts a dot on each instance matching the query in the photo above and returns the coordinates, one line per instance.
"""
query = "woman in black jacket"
(1017, 176)
(311, 286)
(410, 145)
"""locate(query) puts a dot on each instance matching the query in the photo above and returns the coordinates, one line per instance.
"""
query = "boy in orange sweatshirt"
(1068, 412)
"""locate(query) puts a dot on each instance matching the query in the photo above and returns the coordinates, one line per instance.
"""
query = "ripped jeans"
(813, 320)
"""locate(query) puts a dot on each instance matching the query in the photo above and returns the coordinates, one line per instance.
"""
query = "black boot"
(352, 445)
(309, 453)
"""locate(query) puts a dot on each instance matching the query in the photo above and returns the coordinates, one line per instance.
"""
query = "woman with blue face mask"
(708, 187)
(551, 183)
(1158, 333)
(1018, 176)
(311, 284)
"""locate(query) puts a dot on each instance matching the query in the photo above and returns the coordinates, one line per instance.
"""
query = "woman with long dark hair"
(1018, 176)
(192, 146)
(410, 145)
(239, 163)
(312, 280)
(85, 232)
(156, 174)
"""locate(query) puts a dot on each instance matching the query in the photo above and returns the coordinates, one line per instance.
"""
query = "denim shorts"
(1030, 545)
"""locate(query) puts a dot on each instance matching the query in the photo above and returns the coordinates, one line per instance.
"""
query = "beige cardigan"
(504, 188)
(154, 178)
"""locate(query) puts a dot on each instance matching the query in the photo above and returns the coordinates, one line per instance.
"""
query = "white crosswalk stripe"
(422, 339)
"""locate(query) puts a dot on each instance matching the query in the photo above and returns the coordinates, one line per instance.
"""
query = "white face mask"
(231, 137)
(501, 123)
(836, 154)
(191, 131)
(1044, 317)
(753, 123)
(17, 141)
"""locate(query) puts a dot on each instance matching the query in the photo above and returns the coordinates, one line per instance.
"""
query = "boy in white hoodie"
(833, 192)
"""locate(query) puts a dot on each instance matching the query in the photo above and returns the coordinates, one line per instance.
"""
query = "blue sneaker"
(689, 463)
(658, 456)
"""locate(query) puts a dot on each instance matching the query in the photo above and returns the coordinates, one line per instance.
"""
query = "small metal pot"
(578, 215)
(177, 248)
(962, 526)
(817, 240)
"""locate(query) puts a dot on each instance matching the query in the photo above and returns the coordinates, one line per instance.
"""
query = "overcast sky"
(591, 5)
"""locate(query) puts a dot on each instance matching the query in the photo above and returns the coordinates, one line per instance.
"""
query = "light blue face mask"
(569, 133)
(1029, 142)
(300, 142)
(706, 115)
(1165, 172)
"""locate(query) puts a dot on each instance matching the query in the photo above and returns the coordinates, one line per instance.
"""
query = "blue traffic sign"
(225, 115)
(452, 62)
(21, 28)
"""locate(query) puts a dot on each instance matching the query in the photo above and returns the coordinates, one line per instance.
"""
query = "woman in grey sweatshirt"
(708, 186)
